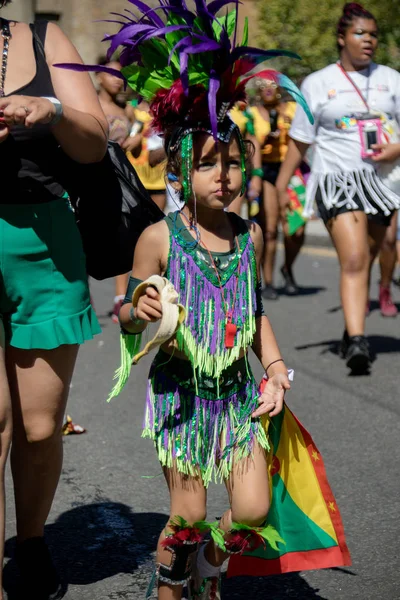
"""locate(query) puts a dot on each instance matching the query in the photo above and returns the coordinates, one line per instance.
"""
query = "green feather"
(175, 36)
(268, 533)
(227, 23)
(154, 54)
(245, 39)
(145, 82)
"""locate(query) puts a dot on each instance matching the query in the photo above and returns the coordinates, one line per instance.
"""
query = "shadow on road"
(94, 542)
(303, 291)
(280, 587)
(380, 344)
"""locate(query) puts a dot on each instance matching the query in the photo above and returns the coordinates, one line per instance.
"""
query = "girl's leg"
(39, 384)
(5, 440)
(269, 219)
(248, 489)
(293, 245)
(188, 499)
(349, 233)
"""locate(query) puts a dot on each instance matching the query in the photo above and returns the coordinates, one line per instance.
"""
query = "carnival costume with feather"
(191, 69)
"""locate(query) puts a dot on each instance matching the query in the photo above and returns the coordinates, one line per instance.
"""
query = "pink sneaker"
(388, 308)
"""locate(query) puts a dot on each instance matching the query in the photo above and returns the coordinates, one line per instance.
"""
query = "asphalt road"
(112, 501)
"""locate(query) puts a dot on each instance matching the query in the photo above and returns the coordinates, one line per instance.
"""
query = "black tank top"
(28, 157)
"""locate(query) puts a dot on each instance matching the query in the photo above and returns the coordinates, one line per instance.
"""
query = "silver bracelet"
(58, 107)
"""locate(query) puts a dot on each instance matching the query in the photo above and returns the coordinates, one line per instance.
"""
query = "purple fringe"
(201, 292)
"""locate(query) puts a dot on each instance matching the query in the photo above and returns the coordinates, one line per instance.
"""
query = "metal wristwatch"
(59, 109)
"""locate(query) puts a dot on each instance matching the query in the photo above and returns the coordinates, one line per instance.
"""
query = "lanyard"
(359, 92)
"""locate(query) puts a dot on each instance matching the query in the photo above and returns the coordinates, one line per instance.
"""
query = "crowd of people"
(204, 410)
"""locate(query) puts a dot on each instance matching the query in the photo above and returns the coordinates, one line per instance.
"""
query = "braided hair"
(351, 11)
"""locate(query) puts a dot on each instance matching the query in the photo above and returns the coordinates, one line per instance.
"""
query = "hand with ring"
(26, 110)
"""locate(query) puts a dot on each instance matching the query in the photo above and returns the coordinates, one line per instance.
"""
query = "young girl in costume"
(203, 408)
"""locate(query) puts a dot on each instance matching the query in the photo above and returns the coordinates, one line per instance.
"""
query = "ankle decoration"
(183, 542)
(244, 538)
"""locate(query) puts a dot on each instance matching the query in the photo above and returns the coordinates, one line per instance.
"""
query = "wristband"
(59, 109)
(272, 363)
(257, 173)
(133, 318)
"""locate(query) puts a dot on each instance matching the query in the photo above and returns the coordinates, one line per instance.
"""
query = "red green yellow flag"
(303, 508)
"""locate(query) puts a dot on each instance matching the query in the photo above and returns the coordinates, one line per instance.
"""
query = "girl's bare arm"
(265, 345)
(150, 258)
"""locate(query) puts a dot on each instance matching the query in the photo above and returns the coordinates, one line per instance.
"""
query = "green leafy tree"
(308, 27)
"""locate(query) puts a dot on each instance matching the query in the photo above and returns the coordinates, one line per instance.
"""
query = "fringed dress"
(198, 411)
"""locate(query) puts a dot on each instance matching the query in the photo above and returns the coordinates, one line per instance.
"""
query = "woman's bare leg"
(39, 383)
(349, 233)
(5, 440)
(388, 254)
(270, 229)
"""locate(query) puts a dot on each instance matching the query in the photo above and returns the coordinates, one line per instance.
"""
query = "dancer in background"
(356, 207)
(271, 123)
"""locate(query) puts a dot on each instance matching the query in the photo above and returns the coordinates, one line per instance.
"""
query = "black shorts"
(271, 172)
(327, 214)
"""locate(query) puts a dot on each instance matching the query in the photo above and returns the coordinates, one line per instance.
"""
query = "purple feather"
(184, 42)
(212, 101)
(208, 46)
(144, 8)
(216, 5)
(127, 33)
(97, 68)
(183, 63)
(116, 14)
(163, 31)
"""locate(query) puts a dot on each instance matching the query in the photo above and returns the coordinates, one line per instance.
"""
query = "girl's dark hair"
(351, 11)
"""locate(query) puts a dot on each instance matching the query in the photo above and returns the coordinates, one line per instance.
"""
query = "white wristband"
(59, 109)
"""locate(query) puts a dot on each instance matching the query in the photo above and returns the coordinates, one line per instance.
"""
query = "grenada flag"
(303, 509)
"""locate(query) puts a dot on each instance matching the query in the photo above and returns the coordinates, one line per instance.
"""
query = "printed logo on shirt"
(332, 94)
(381, 87)
(346, 123)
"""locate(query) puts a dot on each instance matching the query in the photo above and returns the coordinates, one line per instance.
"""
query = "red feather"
(188, 535)
(244, 540)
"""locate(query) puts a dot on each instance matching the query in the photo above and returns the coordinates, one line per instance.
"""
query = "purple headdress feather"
(181, 48)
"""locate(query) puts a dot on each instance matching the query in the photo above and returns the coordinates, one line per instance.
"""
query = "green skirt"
(44, 293)
(200, 425)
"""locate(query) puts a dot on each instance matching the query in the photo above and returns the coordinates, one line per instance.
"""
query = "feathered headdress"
(188, 65)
